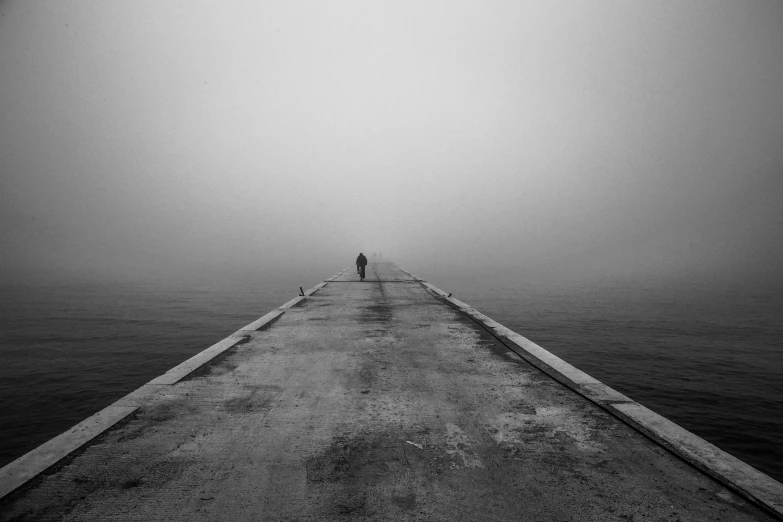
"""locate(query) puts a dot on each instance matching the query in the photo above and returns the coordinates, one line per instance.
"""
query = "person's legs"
(361, 272)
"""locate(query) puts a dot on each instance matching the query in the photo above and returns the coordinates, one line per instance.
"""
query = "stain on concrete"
(378, 313)
(132, 483)
(364, 476)
(252, 398)
(366, 376)
(405, 502)
(356, 458)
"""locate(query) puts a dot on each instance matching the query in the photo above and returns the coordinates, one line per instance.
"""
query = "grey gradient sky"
(554, 139)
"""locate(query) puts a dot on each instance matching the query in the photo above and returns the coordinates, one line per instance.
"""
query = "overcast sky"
(574, 139)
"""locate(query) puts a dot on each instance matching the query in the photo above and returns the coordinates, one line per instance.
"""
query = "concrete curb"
(37, 461)
(759, 488)
(413, 276)
(184, 369)
(335, 276)
(258, 323)
(31, 464)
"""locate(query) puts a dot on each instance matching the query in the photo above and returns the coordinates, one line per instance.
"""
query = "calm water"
(709, 359)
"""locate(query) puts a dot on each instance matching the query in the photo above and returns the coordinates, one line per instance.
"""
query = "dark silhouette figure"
(361, 263)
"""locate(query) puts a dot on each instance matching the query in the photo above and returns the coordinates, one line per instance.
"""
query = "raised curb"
(37, 461)
(184, 369)
(413, 276)
(259, 323)
(752, 484)
(335, 276)
(29, 465)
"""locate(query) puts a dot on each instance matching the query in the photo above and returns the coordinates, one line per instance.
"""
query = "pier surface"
(371, 400)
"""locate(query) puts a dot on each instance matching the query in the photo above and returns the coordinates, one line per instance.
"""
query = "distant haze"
(157, 139)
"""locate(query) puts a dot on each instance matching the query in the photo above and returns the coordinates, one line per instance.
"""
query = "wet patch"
(132, 483)
(380, 313)
(406, 502)
(524, 408)
(165, 410)
(379, 332)
(366, 375)
(256, 398)
(353, 460)
(353, 505)
(381, 289)
(367, 475)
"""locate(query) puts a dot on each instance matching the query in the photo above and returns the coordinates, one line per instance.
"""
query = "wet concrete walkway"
(371, 401)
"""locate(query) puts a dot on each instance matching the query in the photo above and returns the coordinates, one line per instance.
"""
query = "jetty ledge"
(386, 399)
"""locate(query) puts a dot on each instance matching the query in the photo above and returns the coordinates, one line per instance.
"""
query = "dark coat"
(361, 260)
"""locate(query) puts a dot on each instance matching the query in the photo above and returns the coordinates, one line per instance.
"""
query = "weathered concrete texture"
(373, 401)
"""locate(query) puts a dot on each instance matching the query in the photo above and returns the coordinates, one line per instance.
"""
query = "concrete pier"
(380, 400)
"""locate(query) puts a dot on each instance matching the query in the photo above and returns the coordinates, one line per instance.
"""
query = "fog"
(551, 140)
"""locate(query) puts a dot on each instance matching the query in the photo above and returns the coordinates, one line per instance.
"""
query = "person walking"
(361, 264)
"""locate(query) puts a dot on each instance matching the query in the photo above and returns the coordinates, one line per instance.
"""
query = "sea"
(709, 357)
